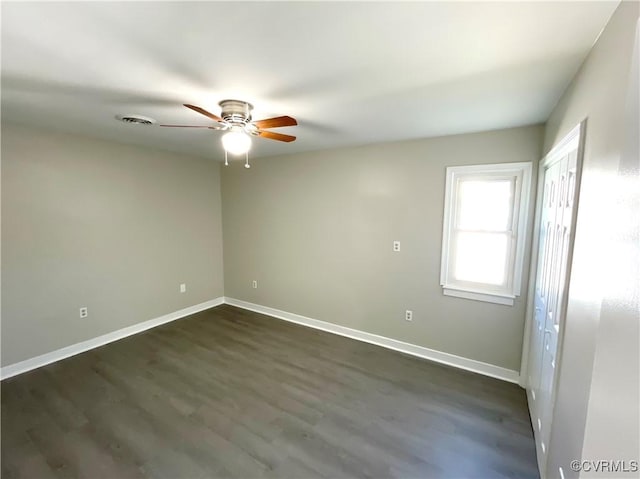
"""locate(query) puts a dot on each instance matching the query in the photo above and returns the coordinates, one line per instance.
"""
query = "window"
(485, 218)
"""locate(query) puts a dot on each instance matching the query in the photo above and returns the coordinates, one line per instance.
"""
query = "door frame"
(561, 148)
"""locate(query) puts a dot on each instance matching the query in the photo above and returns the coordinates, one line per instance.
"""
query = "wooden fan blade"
(276, 122)
(191, 126)
(276, 136)
(204, 112)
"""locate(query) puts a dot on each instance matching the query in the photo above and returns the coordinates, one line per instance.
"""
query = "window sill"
(503, 299)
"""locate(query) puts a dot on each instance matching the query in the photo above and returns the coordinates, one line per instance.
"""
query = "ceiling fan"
(236, 120)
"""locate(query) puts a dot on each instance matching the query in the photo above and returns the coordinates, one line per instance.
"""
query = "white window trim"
(521, 208)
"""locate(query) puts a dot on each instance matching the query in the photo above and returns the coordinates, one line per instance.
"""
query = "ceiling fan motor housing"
(236, 111)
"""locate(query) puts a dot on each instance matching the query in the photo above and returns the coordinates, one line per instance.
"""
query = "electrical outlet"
(408, 315)
(183, 288)
(84, 312)
(396, 246)
(254, 284)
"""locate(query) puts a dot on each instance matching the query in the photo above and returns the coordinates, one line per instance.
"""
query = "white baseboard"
(407, 348)
(57, 355)
(479, 367)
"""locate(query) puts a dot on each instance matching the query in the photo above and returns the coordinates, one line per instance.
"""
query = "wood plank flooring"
(231, 393)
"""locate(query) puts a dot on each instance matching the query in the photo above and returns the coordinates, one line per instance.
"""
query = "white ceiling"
(350, 72)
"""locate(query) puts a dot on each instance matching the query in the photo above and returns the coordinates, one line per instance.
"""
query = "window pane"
(484, 204)
(481, 257)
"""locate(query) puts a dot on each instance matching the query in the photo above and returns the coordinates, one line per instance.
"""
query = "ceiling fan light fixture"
(236, 142)
(236, 121)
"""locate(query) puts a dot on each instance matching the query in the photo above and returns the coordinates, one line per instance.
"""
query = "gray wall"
(112, 227)
(596, 413)
(316, 231)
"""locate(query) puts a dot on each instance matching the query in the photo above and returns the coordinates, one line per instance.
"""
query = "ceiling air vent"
(136, 119)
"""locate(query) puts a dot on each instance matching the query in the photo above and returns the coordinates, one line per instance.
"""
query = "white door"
(554, 251)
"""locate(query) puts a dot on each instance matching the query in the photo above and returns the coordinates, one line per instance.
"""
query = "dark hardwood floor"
(231, 393)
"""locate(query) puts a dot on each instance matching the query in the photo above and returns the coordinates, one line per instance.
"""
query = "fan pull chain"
(246, 160)
(226, 160)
